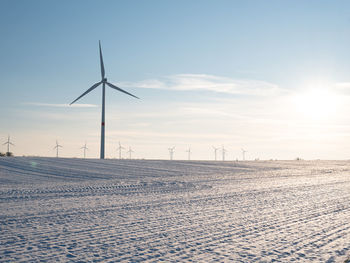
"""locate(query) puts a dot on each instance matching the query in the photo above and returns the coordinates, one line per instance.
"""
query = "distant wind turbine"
(189, 153)
(243, 154)
(129, 152)
(120, 148)
(224, 151)
(8, 144)
(56, 147)
(85, 148)
(215, 152)
(171, 152)
(103, 82)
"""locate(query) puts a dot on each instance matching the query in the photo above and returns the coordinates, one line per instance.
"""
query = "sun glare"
(317, 104)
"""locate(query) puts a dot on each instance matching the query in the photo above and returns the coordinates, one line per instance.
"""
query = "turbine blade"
(101, 62)
(86, 92)
(115, 87)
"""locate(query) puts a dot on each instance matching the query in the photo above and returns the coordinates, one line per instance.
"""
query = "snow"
(78, 210)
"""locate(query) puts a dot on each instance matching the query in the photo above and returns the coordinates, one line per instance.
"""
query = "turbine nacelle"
(104, 80)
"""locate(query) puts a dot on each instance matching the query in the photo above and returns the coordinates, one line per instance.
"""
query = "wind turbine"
(224, 151)
(56, 147)
(129, 152)
(103, 82)
(215, 151)
(85, 148)
(120, 148)
(8, 144)
(243, 154)
(171, 152)
(189, 153)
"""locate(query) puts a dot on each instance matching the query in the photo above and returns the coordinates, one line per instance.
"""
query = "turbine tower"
(171, 152)
(215, 152)
(189, 153)
(129, 152)
(243, 154)
(120, 148)
(56, 147)
(104, 83)
(85, 148)
(8, 144)
(224, 151)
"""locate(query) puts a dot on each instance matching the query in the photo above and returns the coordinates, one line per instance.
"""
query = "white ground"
(132, 210)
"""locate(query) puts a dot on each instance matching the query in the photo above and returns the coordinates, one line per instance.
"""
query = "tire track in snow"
(158, 210)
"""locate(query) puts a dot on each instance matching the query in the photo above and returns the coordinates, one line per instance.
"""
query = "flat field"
(88, 210)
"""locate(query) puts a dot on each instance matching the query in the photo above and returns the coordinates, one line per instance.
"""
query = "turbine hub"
(104, 80)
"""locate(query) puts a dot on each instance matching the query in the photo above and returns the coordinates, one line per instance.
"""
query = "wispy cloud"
(60, 105)
(209, 82)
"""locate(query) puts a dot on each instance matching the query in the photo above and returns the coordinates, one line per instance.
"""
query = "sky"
(269, 77)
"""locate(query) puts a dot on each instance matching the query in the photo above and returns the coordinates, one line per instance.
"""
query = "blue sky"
(268, 76)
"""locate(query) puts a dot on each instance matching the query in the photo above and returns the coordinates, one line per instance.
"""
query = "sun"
(316, 104)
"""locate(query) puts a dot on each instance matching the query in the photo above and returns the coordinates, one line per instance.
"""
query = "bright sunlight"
(317, 104)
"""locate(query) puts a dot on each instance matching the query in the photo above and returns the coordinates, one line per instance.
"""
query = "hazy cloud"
(343, 87)
(60, 105)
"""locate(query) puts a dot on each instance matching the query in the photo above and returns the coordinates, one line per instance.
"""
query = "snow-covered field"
(137, 210)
